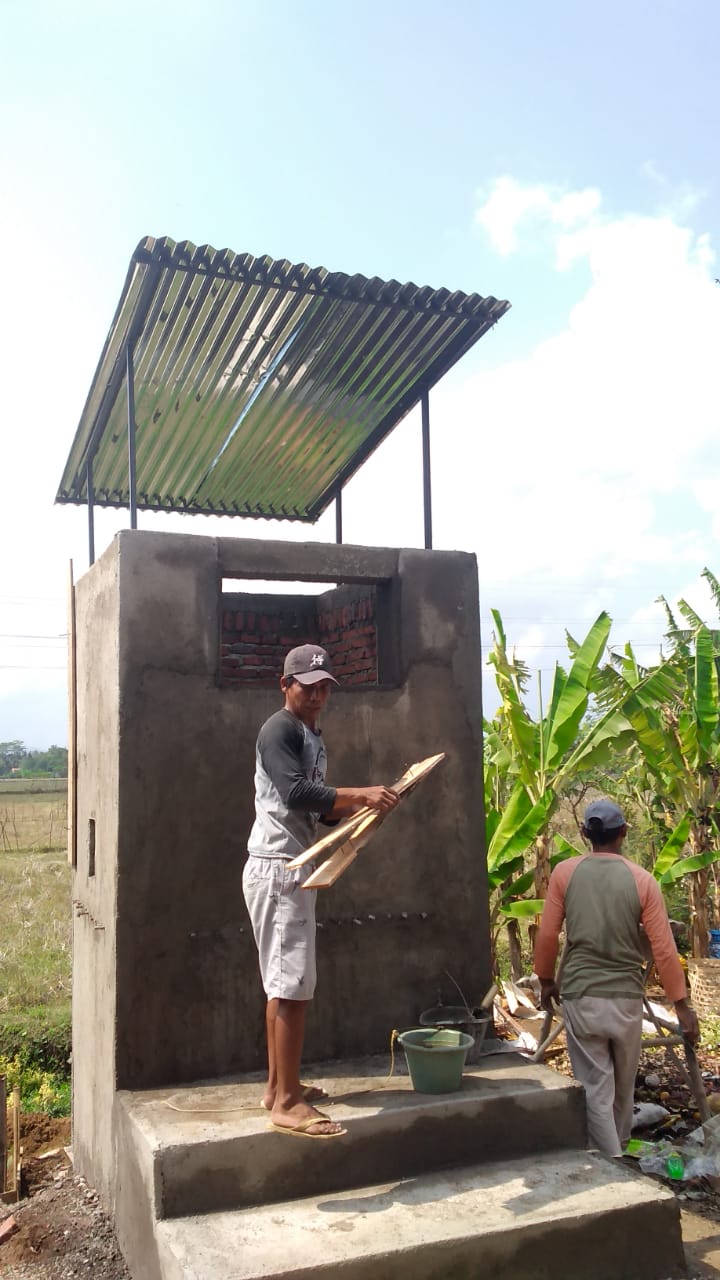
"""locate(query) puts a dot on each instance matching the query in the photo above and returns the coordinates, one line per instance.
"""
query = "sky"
(560, 156)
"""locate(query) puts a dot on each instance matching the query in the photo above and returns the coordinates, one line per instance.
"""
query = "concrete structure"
(489, 1181)
(174, 676)
(165, 985)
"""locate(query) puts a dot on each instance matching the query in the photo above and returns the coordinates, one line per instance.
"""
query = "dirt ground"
(62, 1231)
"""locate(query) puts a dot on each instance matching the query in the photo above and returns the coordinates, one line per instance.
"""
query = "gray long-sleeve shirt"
(290, 790)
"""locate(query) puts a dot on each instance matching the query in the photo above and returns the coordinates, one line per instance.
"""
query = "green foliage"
(40, 1039)
(710, 1034)
(17, 760)
(35, 1049)
(39, 1090)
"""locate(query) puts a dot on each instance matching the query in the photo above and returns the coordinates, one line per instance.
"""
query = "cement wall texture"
(166, 986)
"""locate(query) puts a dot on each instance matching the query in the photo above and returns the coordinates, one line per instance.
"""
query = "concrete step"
(208, 1147)
(559, 1216)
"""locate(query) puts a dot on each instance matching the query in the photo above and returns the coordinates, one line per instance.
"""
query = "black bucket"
(473, 1022)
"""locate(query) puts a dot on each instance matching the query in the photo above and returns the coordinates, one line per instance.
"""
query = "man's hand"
(549, 994)
(687, 1018)
(350, 799)
(381, 798)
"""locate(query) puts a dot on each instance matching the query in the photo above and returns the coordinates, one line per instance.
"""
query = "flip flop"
(310, 1093)
(302, 1129)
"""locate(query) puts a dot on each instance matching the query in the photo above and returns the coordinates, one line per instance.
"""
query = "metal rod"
(91, 511)
(338, 516)
(427, 487)
(131, 436)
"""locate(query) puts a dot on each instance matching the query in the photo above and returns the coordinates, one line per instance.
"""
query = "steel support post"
(427, 487)
(131, 437)
(91, 511)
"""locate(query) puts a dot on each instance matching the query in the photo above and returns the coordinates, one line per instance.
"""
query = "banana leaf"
(523, 908)
(503, 873)
(706, 691)
(563, 850)
(572, 703)
(521, 823)
(695, 862)
(673, 846)
(520, 886)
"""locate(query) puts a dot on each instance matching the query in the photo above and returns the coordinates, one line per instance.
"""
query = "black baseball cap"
(308, 664)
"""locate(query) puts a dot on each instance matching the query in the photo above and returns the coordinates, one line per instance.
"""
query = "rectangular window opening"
(91, 847)
(261, 621)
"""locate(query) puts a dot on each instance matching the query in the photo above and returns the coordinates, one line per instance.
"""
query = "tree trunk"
(715, 898)
(541, 872)
(515, 943)
(698, 884)
(543, 845)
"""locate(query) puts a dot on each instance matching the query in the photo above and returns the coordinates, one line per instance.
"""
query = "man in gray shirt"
(291, 796)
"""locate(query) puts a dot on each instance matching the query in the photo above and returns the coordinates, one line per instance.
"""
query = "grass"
(21, 786)
(35, 930)
(33, 820)
(35, 950)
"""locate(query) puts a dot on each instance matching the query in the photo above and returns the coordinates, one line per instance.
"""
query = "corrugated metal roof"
(260, 387)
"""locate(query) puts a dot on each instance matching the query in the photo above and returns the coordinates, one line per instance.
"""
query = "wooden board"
(72, 726)
(337, 837)
(341, 858)
(331, 841)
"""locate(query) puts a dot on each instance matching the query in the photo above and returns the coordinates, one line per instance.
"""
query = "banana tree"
(676, 721)
(543, 755)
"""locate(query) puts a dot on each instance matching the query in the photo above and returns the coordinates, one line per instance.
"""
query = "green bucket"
(435, 1058)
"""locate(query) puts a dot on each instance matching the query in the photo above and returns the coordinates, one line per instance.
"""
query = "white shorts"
(283, 921)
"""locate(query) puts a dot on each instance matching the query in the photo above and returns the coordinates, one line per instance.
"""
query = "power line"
(9, 666)
(16, 635)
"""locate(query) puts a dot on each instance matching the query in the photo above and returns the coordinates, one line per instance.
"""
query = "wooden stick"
(329, 842)
(16, 1140)
(72, 726)
(350, 826)
(691, 1070)
(340, 860)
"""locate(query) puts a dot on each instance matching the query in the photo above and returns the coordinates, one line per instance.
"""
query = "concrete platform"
(209, 1147)
(489, 1181)
(560, 1216)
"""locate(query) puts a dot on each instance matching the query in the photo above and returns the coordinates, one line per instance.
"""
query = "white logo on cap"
(317, 660)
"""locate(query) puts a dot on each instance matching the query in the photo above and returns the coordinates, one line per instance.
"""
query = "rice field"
(35, 921)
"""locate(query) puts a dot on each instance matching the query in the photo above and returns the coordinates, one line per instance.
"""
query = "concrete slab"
(209, 1147)
(557, 1216)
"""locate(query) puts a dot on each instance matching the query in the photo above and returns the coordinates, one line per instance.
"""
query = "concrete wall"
(95, 895)
(172, 993)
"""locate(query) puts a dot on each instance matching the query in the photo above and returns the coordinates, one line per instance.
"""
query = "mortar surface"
(487, 1205)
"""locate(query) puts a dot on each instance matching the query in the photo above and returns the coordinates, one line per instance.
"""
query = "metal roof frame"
(233, 385)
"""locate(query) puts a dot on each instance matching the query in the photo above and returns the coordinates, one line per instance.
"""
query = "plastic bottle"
(675, 1166)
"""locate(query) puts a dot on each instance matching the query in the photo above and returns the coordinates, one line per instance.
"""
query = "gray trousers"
(603, 1039)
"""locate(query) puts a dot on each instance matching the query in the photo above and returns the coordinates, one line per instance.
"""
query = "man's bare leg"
(270, 1021)
(288, 1024)
(310, 1093)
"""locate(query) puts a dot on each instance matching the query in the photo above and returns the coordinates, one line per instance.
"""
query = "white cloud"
(585, 476)
(511, 206)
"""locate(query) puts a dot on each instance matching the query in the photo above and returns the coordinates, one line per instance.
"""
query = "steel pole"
(427, 485)
(91, 510)
(131, 436)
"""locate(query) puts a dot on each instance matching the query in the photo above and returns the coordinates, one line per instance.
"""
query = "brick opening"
(257, 631)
